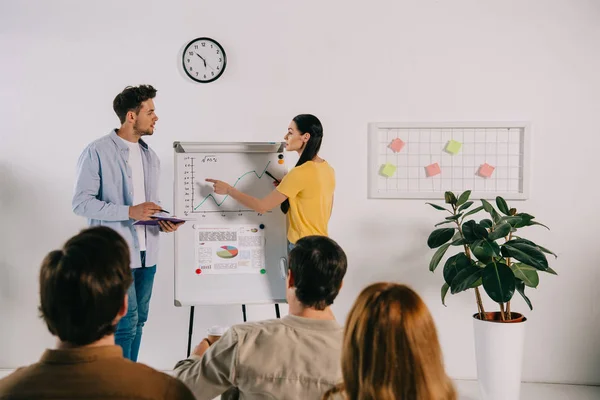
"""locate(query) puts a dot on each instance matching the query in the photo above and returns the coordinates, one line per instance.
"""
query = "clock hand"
(202, 59)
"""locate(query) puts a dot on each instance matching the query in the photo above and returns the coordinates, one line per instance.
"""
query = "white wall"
(62, 62)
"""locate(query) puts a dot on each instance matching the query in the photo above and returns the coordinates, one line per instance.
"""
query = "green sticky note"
(387, 170)
(453, 147)
(263, 271)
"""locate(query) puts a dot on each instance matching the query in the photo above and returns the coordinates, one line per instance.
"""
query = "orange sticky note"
(485, 170)
(433, 170)
(397, 145)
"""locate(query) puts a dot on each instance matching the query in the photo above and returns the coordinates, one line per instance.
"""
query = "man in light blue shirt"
(117, 184)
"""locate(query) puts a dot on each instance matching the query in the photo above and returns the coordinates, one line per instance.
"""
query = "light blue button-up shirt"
(104, 191)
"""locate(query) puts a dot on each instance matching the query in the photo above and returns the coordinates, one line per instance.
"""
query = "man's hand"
(201, 348)
(220, 187)
(168, 226)
(143, 211)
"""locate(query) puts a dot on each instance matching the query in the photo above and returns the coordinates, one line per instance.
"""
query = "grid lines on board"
(501, 146)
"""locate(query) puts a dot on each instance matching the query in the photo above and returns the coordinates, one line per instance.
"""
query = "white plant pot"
(499, 354)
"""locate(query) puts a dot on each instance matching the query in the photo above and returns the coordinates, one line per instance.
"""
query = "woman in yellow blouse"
(305, 194)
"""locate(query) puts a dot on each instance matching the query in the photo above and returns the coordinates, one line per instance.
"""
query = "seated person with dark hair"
(296, 357)
(83, 293)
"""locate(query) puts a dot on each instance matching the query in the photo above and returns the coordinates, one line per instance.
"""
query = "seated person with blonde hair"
(391, 349)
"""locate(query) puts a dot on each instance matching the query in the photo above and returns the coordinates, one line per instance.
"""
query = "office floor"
(468, 390)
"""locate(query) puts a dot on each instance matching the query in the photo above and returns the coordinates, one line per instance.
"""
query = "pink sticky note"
(433, 170)
(485, 170)
(396, 145)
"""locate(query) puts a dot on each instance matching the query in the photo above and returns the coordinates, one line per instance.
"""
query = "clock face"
(204, 60)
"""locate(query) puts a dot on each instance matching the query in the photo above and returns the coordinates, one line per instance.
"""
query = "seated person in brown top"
(83, 291)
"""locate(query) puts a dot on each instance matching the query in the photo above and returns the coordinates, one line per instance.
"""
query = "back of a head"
(391, 348)
(131, 99)
(83, 286)
(318, 265)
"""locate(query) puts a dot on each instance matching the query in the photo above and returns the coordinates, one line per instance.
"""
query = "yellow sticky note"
(453, 147)
(387, 170)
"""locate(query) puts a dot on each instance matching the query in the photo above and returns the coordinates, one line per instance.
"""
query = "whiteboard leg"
(277, 310)
(190, 331)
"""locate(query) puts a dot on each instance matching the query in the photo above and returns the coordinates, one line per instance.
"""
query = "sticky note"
(387, 170)
(397, 145)
(485, 170)
(433, 170)
(453, 147)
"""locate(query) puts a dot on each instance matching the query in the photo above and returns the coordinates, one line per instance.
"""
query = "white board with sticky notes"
(423, 160)
(226, 253)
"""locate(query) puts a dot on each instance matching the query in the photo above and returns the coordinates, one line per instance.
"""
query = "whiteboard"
(245, 166)
(501, 147)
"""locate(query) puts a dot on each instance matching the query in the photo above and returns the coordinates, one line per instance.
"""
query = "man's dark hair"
(318, 265)
(82, 286)
(131, 99)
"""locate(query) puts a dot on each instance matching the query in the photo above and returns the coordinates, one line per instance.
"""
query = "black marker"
(276, 180)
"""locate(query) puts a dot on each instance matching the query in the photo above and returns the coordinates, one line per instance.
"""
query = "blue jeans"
(130, 327)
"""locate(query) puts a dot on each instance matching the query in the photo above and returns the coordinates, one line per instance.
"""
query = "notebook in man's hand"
(154, 220)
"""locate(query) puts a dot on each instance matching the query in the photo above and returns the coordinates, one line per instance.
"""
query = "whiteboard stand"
(243, 165)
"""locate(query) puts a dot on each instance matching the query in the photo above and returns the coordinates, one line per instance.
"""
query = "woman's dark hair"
(307, 123)
(318, 265)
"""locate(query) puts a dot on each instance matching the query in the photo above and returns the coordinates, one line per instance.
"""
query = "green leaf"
(465, 206)
(491, 210)
(527, 220)
(502, 206)
(445, 288)
(443, 222)
(454, 217)
(437, 207)
(454, 265)
(498, 282)
(462, 199)
(450, 198)
(474, 211)
(512, 220)
(500, 231)
(437, 257)
(466, 278)
(525, 253)
(526, 273)
(538, 223)
(485, 250)
(486, 223)
(472, 231)
(487, 206)
(520, 286)
(477, 283)
(458, 242)
(529, 242)
(551, 271)
(439, 237)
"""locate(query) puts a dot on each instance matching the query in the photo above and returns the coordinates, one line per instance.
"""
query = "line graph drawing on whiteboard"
(199, 197)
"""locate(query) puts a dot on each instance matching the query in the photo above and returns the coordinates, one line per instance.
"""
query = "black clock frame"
(187, 46)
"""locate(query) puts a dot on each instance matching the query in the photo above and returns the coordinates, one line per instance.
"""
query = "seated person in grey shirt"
(296, 357)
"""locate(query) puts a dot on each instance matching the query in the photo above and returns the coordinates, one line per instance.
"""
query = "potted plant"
(494, 256)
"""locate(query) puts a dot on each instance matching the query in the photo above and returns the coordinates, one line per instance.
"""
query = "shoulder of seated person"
(256, 325)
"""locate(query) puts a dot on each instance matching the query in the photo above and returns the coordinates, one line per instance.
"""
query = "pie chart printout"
(227, 252)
